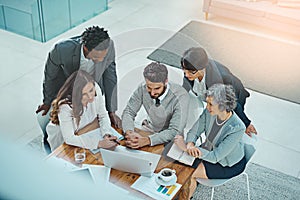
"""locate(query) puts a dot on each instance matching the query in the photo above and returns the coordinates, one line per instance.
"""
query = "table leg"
(184, 193)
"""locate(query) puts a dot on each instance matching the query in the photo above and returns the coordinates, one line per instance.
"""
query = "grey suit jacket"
(64, 59)
(228, 148)
(167, 120)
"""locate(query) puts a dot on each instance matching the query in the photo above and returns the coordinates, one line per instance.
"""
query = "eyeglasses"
(190, 71)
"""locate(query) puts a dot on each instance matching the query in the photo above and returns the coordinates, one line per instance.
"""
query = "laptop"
(128, 160)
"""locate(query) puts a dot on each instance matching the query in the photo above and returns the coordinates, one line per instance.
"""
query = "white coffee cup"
(167, 174)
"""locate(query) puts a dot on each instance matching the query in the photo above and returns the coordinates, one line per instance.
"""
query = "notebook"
(176, 153)
(128, 160)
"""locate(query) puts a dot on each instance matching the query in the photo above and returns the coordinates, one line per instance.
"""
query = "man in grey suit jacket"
(93, 52)
(165, 103)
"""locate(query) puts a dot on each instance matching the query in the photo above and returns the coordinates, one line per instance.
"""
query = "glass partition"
(44, 19)
(2, 24)
(56, 17)
(16, 17)
(91, 9)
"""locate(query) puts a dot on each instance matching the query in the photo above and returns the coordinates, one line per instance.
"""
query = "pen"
(116, 141)
(109, 135)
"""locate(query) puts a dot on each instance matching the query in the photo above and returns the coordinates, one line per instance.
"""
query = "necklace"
(220, 124)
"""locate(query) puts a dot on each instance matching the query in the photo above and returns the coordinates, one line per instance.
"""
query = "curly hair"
(71, 93)
(223, 95)
(95, 38)
(156, 72)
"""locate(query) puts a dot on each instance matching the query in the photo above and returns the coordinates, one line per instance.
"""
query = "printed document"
(177, 154)
(150, 187)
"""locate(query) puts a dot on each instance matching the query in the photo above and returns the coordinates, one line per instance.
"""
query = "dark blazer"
(64, 59)
(215, 72)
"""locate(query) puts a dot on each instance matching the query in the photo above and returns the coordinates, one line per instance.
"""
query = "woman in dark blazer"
(198, 69)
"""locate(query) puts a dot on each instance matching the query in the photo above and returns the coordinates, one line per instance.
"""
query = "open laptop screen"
(133, 161)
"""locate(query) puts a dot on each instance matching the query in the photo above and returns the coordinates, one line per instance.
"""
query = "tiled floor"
(137, 27)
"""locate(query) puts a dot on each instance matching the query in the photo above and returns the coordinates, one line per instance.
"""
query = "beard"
(156, 96)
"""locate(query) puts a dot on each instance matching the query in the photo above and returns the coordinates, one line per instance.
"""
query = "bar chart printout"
(149, 187)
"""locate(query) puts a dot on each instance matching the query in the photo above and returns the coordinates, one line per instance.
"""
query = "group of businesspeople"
(80, 96)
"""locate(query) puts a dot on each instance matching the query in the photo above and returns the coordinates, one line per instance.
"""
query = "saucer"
(164, 183)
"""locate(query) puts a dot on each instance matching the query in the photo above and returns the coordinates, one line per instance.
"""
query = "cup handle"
(159, 177)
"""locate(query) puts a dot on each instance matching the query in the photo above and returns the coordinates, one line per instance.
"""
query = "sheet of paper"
(59, 162)
(149, 187)
(99, 173)
(176, 153)
(115, 133)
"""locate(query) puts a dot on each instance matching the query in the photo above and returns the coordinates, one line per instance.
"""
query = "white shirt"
(200, 88)
(68, 126)
(86, 64)
(164, 94)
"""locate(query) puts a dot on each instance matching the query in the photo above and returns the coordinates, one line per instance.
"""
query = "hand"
(112, 138)
(190, 145)
(130, 136)
(137, 143)
(179, 141)
(135, 140)
(115, 120)
(250, 129)
(107, 143)
(194, 151)
(43, 107)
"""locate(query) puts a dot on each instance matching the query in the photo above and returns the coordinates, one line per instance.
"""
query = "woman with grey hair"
(221, 155)
(201, 72)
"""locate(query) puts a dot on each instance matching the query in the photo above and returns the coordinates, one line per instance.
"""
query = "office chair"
(43, 121)
(249, 148)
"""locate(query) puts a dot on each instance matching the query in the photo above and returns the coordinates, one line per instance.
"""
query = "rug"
(264, 64)
(264, 184)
